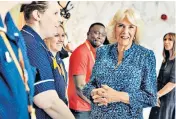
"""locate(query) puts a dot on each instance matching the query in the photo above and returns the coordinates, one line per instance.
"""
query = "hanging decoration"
(164, 17)
(65, 10)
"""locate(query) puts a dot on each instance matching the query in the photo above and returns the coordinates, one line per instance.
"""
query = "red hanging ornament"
(164, 17)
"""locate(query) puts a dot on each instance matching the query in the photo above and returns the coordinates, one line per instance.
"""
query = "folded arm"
(52, 105)
(170, 85)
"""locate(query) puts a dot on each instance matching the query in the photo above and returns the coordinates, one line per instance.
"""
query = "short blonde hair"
(132, 16)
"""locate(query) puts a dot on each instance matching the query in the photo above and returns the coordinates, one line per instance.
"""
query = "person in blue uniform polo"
(16, 87)
(55, 45)
(42, 21)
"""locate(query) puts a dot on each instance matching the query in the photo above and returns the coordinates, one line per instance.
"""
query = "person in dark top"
(55, 45)
(63, 53)
(67, 47)
(106, 42)
(42, 21)
(166, 82)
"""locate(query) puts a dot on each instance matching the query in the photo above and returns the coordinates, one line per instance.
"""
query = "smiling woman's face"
(125, 32)
(168, 42)
(56, 43)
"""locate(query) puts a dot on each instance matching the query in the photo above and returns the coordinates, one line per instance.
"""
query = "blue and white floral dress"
(136, 75)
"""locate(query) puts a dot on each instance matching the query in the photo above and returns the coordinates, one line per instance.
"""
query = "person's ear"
(87, 33)
(114, 34)
(36, 15)
(134, 37)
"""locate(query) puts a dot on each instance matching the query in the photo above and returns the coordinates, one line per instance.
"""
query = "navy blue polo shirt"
(39, 58)
(60, 81)
(13, 97)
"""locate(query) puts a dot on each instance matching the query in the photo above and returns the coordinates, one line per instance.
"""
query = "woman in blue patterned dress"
(123, 80)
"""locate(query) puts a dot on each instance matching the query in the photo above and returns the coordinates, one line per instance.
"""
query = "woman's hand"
(105, 95)
(110, 94)
(158, 100)
(97, 96)
(69, 47)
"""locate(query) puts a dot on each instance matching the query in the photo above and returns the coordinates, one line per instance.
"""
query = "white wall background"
(85, 13)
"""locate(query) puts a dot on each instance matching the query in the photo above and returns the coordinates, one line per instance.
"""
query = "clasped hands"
(105, 95)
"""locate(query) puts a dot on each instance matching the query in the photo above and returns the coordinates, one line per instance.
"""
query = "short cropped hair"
(96, 23)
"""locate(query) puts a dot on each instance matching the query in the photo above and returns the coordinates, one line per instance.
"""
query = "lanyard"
(21, 69)
(54, 63)
(59, 66)
(13, 55)
(90, 51)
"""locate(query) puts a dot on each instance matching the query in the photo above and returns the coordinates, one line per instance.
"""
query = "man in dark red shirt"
(80, 69)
